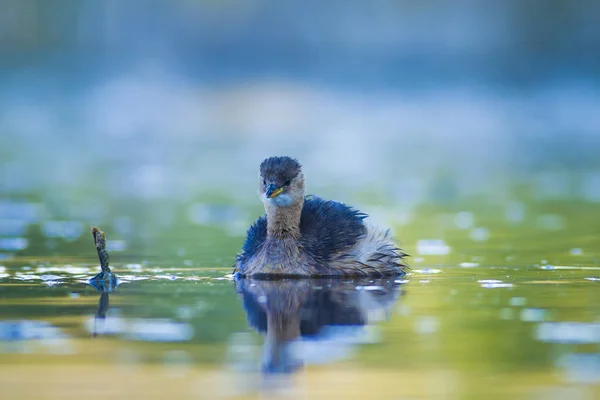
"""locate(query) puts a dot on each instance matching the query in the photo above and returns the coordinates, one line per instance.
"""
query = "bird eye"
(287, 182)
(265, 182)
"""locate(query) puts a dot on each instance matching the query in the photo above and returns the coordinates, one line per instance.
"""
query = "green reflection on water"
(447, 320)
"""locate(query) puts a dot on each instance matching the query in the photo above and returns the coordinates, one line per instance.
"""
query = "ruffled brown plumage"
(309, 237)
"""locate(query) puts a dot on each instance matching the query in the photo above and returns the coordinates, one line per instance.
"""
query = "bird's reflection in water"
(105, 283)
(294, 314)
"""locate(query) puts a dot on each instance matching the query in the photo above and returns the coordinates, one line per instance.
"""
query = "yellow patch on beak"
(275, 193)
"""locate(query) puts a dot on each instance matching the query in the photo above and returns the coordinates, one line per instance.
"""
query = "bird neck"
(284, 222)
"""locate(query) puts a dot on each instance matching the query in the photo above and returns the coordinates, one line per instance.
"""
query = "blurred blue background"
(471, 128)
(124, 113)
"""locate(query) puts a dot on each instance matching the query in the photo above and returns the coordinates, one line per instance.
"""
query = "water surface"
(184, 332)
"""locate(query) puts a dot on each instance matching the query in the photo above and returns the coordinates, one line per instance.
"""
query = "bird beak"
(273, 191)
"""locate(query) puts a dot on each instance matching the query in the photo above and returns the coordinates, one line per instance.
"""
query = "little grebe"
(308, 237)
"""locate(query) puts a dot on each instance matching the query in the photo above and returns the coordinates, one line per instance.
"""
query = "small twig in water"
(100, 241)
